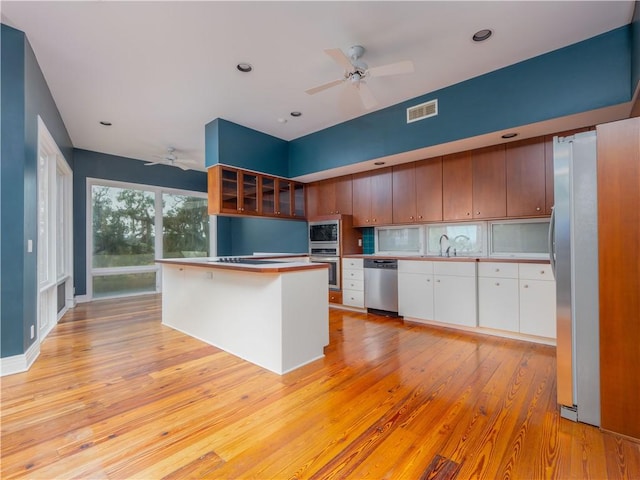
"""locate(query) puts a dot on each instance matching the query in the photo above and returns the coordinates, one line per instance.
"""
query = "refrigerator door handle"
(552, 233)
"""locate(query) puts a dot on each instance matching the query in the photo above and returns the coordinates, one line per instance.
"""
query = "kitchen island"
(270, 312)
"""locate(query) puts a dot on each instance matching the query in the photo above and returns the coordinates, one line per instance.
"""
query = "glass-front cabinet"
(238, 192)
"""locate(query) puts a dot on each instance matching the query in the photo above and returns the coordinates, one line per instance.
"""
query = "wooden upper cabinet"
(417, 191)
(457, 186)
(428, 175)
(526, 184)
(343, 195)
(404, 193)
(372, 198)
(330, 197)
(237, 192)
(489, 182)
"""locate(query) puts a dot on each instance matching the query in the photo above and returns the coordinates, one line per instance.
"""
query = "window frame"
(158, 191)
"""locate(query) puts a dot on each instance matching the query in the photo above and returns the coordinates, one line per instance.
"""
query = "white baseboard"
(82, 298)
(19, 363)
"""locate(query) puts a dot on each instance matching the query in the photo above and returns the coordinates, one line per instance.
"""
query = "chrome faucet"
(444, 235)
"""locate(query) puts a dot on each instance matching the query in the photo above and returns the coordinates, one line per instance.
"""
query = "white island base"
(277, 318)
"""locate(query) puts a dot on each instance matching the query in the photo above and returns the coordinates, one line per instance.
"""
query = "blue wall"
(588, 75)
(89, 164)
(232, 144)
(244, 236)
(635, 48)
(25, 95)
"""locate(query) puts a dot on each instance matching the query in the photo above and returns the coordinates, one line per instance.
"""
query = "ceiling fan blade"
(340, 58)
(153, 163)
(366, 95)
(392, 69)
(324, 86)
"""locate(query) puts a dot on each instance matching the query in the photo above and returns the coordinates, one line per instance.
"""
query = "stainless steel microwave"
(327, 231)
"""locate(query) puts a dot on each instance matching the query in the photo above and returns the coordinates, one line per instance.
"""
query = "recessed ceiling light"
(296, 114)
(482, 35)
(244, 67)
(510, 135)
(106, 124)
(379, 163)
(282, 120)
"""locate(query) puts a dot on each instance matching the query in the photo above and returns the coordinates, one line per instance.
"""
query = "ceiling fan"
(356, 71)
(171, 159)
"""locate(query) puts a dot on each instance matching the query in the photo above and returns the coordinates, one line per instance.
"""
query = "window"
(519, 238)
(462, 239)
(126, 222)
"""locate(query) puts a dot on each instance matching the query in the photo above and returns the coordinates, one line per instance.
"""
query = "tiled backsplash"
(368, 242)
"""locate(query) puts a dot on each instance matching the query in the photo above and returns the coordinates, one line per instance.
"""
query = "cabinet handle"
(367, 220)
(497, 284)
(374, 220)
(537, 209)
(526, 286)
(438, 281)
(410, 217)
(477, 213)
(468, 214)
(337, 212)
(428, 280)
(420, 216)
(497, 269)
(541, 272)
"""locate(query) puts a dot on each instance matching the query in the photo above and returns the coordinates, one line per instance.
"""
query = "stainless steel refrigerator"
(573, 239)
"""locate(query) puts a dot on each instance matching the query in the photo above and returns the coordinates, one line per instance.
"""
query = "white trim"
(19, 363)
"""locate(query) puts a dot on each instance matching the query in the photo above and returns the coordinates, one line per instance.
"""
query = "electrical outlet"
(359, 242)
(33, 332)
(30, 248)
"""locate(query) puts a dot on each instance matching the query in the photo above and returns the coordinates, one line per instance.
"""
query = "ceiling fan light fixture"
(482, 35)
(244, 67)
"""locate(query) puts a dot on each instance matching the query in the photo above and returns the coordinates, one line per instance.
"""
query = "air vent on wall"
(422, 111)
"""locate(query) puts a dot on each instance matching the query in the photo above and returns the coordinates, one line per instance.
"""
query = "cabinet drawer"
(352, 263)
(335, 296)
(460, 269)
(350, 284)
(352, 275)
(536, 271)
(498, 270)
(415, 266)
(353, 298)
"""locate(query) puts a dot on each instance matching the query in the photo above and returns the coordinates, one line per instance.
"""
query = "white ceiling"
(160, 71)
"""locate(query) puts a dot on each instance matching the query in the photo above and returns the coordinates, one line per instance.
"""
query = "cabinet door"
(538, 307)
(284, 201)
(455, 300)
(298, 200)
(415, 295)
(326, 197)
(249, 191)
(489, 182)
(268, 195)
(428, 180)
(361, 200)
(313, 199)
(498, 303)
(381, 197)
(457, 178)
(224, 189)
(404, 193)
(526, 178)
(343, 195)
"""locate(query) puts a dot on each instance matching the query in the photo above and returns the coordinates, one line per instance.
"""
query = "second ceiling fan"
(356, 71)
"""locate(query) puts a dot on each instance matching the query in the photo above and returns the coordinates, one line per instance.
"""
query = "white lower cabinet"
(498, 305)
(506, 296)
(440, 291)
(415, 289)
(353, 282)
(537, 300)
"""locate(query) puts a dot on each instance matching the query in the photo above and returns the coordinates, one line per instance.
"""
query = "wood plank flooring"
(115, 394)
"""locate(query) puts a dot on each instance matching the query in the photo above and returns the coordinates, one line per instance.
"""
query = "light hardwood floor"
(115, 394)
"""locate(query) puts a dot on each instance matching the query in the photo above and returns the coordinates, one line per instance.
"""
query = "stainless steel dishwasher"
(381, 285)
